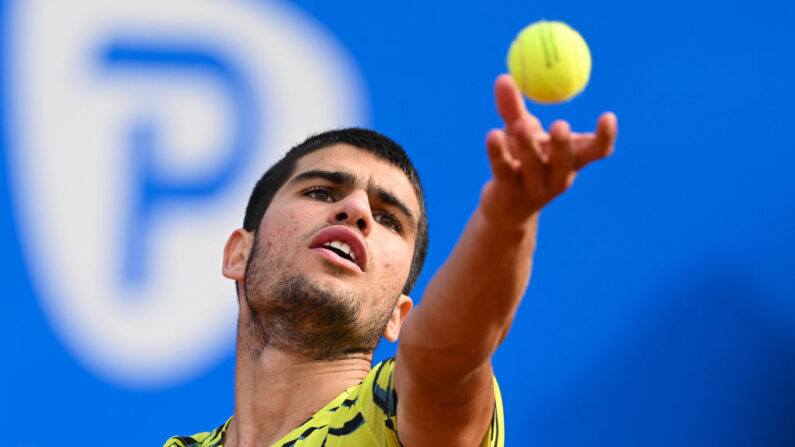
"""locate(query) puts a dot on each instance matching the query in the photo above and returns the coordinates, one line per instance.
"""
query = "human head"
(365, 139)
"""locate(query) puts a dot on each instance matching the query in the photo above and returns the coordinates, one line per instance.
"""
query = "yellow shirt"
(363, 415)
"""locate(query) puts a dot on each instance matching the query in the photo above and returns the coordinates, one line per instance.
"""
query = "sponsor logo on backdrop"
(137, 129)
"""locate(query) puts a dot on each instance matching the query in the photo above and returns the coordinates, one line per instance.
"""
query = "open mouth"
(341, 245)
(342, 249)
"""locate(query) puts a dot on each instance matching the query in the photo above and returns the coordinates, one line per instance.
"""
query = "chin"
(332, 283)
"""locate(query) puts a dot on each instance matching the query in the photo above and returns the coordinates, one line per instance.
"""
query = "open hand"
(531, 166)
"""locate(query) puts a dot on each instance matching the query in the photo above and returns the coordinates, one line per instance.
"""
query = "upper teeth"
(343, 247)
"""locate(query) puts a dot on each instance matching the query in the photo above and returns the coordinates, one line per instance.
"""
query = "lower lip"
(336, 259)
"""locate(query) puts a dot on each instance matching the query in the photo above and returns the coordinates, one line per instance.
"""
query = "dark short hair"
(365, 139)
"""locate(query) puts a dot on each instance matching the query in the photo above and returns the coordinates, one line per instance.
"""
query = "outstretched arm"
(443, 372)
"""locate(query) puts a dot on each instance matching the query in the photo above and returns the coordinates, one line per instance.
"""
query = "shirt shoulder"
(362, 415)
(205, 439)
(495, 437)
(378, 402)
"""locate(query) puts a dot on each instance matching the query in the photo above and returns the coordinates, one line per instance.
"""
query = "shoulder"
(205, 439)
(423, 419)
(377, 400)
(495, 437)
(377, 387)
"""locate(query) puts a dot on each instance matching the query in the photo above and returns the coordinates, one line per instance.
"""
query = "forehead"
(365, 166)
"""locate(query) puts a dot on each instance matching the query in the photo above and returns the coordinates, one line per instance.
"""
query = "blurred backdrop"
(662, 305)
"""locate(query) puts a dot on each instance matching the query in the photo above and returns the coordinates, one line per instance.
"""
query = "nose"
(354, 210)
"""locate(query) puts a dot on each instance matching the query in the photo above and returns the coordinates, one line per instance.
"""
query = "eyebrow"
(336, 177)
(347, 179)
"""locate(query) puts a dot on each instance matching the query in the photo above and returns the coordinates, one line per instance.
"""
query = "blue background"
(662, 305)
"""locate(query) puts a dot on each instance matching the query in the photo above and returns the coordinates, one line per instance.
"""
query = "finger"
(510, 104)
(527, 147)
(561, 157)
(591, 147)
(502, 164)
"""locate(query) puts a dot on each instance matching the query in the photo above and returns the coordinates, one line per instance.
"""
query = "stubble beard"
(291, 313)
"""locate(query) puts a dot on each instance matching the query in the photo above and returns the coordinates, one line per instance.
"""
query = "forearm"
(470, 303)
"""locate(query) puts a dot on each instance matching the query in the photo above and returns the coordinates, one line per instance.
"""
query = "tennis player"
(333, 240)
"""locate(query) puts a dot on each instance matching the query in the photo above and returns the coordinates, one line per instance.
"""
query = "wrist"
(508, 225)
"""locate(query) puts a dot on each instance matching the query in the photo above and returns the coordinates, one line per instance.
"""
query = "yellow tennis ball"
(549, 61)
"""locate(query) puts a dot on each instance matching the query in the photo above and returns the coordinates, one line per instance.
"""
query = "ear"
(236, 253)
(402, 308)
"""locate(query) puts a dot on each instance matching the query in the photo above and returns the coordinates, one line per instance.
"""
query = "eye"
(320, 193)
(388, 220)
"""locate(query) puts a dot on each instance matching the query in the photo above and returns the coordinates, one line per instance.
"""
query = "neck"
(277, 390)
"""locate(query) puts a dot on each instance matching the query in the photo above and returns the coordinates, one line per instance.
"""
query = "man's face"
(336, 240)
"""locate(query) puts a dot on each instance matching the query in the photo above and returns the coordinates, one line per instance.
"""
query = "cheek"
(397, 262)
(280, 237)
